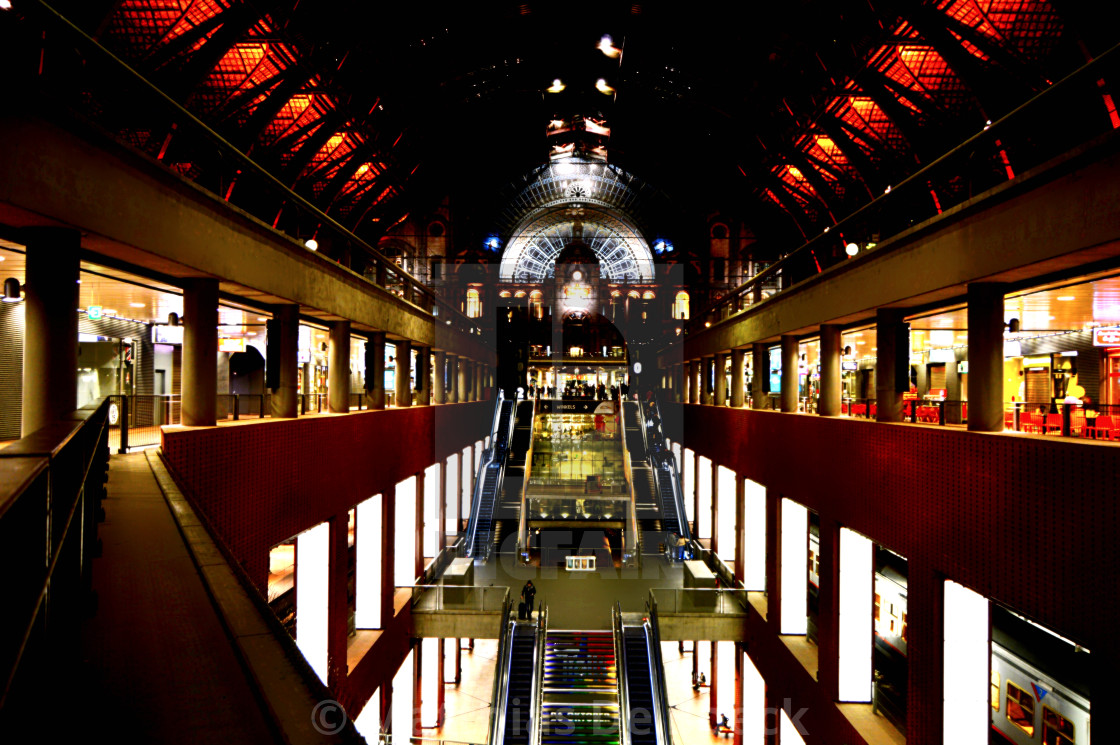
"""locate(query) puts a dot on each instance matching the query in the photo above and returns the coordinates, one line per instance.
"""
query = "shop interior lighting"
(11, 284)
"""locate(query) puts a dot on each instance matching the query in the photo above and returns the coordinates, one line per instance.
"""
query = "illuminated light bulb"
(851, 249)
(1066, 298)
(312, 244)
(5, 4)
(607, 47)
(556, 86)
(602, 87)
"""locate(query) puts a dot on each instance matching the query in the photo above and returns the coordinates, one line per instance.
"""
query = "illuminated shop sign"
(1106, 337)
(163, 334)
(849, 365)
(231, 345)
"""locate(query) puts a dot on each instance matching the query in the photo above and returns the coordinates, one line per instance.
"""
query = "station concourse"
(557, 373)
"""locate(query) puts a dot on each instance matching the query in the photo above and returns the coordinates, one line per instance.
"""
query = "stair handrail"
(501, 676)
(657, 674)
(536, 700)
(622, 677)
(523, 521)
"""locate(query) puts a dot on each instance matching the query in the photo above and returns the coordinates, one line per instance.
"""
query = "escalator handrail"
(657, 675)
(484, 463)
(501, 676)
(632, 547)
(622, 675)
(537, 696)
(523, 521)
(642, 430)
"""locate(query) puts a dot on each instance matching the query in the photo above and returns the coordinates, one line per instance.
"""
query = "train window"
(1056, 729)
(1020, 708)
(877, 601)
(995, 689)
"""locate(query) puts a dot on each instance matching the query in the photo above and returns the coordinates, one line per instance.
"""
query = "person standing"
(528, 593)
(682, 546)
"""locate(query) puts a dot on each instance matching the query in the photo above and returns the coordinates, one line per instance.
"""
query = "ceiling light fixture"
(607, 47)
(135, 305)
(851, 249)
(602, 87)
(312, 244)
(5, 4)
(556, 86)
(1066, 298)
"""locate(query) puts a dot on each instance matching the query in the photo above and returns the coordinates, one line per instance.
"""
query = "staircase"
(635, 434)
(520, 692)
(580, 693)
(639, 686)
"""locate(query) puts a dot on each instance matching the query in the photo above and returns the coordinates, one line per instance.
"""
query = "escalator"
(517, 680)
(579, 702)
(508, 509)
(480, 532)
(643, 680)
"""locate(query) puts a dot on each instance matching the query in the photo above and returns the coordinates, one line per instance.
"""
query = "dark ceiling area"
(786, 116)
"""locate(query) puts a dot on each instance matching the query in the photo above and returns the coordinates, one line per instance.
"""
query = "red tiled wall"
(263, 482)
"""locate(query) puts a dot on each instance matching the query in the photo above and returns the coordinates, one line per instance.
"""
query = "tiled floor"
(468, 705)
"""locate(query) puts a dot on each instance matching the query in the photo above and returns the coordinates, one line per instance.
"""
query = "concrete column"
(476, 381)
(424, 370)
(452, 379)
(439, 391)
(892, 364)
(985, 357)
(404, 372)
(461, 381)
(338, 611)
(720, 398)
(375, 369)
(200, 352)
(698, 381)
(50, 335)
(688, 390)
(285, 398)
(738, 376)
(338, 367)
(789, 372)
(760, 382)
(830, 371)
(707, 387)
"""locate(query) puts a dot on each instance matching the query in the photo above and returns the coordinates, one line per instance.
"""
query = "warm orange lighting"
(556, 86)
(602, 87)
(607, 47)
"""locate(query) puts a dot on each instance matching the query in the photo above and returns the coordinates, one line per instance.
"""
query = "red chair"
(874, 410)
(859, 409)
(1101, 429)
(1077, 423)
(1031, 422)
(1008, 419)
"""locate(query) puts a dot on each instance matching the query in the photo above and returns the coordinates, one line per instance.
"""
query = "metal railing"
(51, 486)
(657, 666)
(497, 723)
(715, 601)
(523, 542)
(457, 598)
(662, 456)
(1058, 119)
(484, 462)
(631, 541)
(51, 58)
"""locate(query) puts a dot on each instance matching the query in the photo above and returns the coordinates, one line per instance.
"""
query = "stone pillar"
(829, 404)
(338, 367)
(707, 374)
(461, 382)
(789, 373)
(50, 335)
(892, 364)
(404, 373)
(439, 391)
(200, 352)
(760, 382)
(285, 398)
(985, 357)
(424, 371)
(375, 369)
(738, 376)
(476, 381)
(721, 380)
(452, 379)
(688, 389)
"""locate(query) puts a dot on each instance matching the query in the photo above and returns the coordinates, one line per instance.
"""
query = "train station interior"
(536, 373)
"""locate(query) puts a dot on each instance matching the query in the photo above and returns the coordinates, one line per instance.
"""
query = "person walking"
(682, 546)
(528, 593)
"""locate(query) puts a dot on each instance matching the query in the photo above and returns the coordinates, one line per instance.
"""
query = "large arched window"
(474, 304)
(680, 307)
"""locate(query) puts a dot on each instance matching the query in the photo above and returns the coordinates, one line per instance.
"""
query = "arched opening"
(680, 306)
